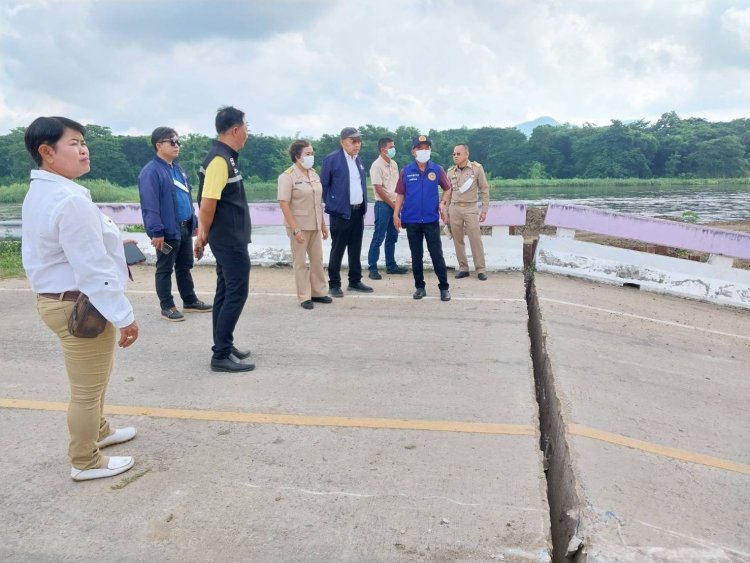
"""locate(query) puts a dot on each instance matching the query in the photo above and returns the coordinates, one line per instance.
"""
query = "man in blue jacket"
(170, 222)
(419, 208)
(345, 197)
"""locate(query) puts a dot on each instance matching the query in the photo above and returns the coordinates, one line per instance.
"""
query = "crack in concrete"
(563, 492)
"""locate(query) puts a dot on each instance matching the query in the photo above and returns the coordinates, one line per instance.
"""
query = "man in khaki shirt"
(384, 175)
(468, 185)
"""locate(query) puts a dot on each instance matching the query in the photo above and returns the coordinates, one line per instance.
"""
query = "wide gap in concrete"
(562, 490)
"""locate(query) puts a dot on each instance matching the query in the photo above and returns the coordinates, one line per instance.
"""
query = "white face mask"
(391, 152)
(307, 161)
(423, 155)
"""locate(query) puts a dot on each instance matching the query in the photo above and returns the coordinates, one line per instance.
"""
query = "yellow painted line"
(390, 424)
(664, 451)
(292, 419)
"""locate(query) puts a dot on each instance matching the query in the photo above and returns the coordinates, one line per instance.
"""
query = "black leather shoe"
(307, 304)
(460, 275)
(375, 276)
(241, 354)
(322, 299)
(398, 270)
(230, 366)
(336, 292)
(359, 286)
(445, 295)
(482, 277)
(419, 293)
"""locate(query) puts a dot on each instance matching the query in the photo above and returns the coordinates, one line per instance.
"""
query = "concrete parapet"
(715, 281)
(270, 244)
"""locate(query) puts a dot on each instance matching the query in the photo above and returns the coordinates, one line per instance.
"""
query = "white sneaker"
(115, 466)
(119, 436)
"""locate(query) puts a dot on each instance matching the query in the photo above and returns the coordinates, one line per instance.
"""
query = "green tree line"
(671, 147)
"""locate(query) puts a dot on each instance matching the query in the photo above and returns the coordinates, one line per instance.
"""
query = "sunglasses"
(172, 142)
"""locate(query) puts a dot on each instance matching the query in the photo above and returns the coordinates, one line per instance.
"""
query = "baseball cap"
(420, 139)
(350, 133)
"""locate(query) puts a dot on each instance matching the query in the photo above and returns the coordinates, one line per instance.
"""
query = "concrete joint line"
(642, 318)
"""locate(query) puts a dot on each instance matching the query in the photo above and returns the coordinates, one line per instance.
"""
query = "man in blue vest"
(345, 197)
(170, 222)
(419, 208)
(225, 226)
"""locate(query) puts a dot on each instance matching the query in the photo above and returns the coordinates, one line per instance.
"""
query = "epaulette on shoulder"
(452, 168)
(289, 170)
(475, 163)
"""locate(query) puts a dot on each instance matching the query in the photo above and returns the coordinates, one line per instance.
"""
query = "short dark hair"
(228, 117)
(295, 149)
(383, 142)
(47, 131)
(161, 133)
(464, 145)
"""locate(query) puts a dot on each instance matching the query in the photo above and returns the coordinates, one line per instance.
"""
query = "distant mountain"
(528, 126)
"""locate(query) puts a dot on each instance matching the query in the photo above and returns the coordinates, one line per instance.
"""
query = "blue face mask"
(391, 152)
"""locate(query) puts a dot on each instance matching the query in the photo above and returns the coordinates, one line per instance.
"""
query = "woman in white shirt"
(69, 247)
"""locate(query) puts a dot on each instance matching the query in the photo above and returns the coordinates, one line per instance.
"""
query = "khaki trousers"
(464, 219)
(88, 362)
(310, 282)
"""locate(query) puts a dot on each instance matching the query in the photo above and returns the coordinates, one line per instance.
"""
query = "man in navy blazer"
(345, 197)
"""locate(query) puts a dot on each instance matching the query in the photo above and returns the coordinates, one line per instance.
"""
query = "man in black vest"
(224, 224)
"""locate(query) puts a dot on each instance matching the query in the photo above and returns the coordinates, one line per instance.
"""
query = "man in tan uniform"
(384, 175)
(468, 185)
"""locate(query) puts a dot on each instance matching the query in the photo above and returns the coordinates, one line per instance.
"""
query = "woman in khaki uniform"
(300, 196)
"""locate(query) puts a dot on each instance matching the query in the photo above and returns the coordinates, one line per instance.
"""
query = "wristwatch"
(295, 232)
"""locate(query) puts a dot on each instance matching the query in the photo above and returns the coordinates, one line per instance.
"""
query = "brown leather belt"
(64, 296)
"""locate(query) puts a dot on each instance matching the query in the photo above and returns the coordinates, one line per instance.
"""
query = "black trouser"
(346, 234)
(181, 261)
(232, 285)
(416, 233)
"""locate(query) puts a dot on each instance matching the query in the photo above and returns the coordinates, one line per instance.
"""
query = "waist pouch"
(85, 321)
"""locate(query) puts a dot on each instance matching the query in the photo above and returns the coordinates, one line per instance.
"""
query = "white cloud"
(738, 22)
(314, 68)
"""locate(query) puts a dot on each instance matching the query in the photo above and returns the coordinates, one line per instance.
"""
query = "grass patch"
(129, 479)
(10, 259)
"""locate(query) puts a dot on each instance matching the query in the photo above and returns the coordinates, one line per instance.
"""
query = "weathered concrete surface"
(671, 373)
(237, 491)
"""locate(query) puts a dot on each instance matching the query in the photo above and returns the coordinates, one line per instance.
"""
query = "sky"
(305, 68)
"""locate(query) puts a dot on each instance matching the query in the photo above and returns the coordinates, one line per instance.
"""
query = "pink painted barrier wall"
(649, 229)
(269, 214)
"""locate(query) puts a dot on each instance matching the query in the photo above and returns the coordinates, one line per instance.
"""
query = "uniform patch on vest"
(431, 176)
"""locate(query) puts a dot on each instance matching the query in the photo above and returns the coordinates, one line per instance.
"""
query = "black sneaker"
(359, 286)
(230, 366)
(398, 270)
(197, 307)
(336, 292)
(419, 293)
(322, 299)
(374, 275)
(241, 354)
(172, 315)
(460, 275)
(445, 295)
